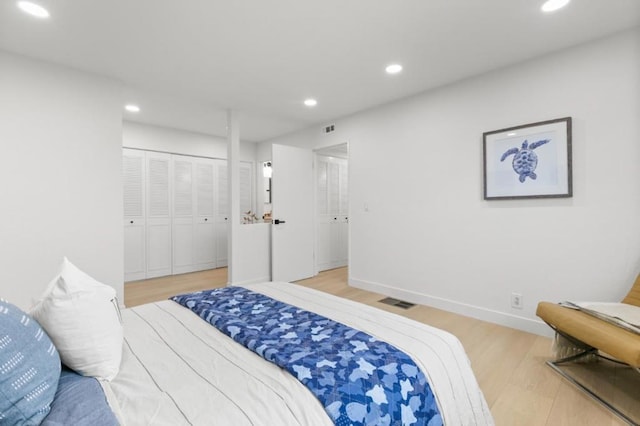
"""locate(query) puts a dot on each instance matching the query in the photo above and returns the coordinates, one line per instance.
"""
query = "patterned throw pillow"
(29, 368)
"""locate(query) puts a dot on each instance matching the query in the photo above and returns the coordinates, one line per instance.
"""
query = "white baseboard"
(477, 312)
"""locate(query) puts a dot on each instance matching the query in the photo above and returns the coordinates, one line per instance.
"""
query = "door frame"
(319, 152)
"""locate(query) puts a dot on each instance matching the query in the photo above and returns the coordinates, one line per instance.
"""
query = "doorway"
(332, 207)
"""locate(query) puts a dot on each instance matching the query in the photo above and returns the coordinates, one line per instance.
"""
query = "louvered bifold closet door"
(334, 212)
(133, 165)
(221, 198)
(332, 215)
(323, 214)
(204, 238)
(183, 214)
(343, 215)
(159, 227)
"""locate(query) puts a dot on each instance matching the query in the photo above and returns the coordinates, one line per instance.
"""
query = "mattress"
(179, 370)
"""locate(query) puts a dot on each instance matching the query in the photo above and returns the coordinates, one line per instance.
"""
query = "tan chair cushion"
(615, 341)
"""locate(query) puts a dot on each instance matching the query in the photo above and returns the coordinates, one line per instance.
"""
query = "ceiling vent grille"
(330, 128)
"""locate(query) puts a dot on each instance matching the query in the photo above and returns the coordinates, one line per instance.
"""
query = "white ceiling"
(185, 62)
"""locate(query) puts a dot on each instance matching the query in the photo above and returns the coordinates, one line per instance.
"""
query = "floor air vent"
(397, 302)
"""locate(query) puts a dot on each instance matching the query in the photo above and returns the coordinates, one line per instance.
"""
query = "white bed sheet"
(179, 370)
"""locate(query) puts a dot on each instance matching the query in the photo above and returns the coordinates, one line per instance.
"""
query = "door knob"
(278, 221)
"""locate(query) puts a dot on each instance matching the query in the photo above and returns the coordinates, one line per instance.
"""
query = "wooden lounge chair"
(594, 337)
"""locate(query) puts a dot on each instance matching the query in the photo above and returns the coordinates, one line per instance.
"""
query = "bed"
(177, 369)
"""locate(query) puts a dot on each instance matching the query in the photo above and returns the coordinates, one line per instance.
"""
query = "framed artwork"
(528, 161)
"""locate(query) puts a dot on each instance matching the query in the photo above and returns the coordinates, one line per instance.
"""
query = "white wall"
(429, 236)
(263, 152)
(155, 138)
(61, 191)
(253, 263)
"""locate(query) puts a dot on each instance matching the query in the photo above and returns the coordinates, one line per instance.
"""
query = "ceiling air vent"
(329, 129)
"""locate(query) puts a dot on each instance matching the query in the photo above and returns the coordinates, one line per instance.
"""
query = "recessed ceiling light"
(511, 134)
(132, 108)
(553, 5)
(310, 102)
(33, 9)
(393, 69)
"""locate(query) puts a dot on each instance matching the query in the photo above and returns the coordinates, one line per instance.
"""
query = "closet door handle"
(205, 219)
(278, 221)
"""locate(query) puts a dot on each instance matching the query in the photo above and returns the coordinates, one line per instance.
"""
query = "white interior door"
(292, 241)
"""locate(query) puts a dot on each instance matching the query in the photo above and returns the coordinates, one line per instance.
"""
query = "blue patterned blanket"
(358, 379)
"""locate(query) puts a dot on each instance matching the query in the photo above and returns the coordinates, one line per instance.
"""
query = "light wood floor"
(509, 364)
(155, 289)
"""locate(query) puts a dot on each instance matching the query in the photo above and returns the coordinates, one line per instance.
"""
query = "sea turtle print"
(525, 160)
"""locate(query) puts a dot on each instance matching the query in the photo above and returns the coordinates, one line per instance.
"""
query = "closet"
(176, 212)
(332, 214)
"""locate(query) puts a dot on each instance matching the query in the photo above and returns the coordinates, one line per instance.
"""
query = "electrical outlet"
(516, 300)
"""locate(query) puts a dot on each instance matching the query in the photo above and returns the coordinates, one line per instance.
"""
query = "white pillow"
(82, 318)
